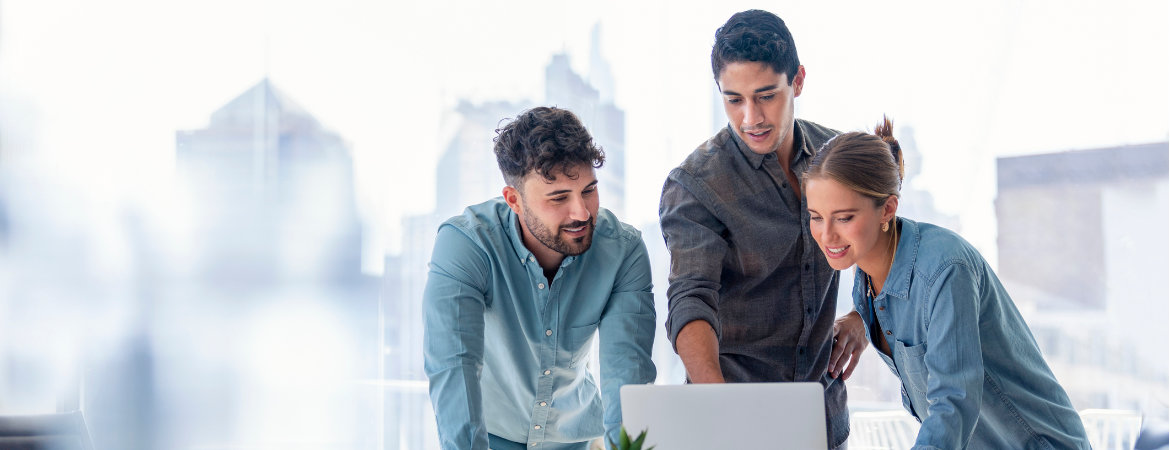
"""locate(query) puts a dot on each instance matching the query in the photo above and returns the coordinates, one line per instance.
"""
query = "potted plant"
(624, 442)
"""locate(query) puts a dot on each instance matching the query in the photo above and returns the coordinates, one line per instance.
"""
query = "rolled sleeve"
(953, 359)
(627, 335)
(694, 237)
(453, 338)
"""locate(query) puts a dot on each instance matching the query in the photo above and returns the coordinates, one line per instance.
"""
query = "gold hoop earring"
(885, 227)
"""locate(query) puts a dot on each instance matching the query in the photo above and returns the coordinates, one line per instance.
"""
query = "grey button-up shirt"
(742, 258)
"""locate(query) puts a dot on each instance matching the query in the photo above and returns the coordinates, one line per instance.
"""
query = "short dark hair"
(755, 36)
(548, 140)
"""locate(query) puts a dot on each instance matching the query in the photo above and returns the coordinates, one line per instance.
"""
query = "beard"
(555, 239)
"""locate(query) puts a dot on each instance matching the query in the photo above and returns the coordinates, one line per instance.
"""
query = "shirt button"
(540, 286)
(536, 427)
(808, 310)
(881, 308)
(888, 332)
(548, 332)
(543, 404)
(546, 372)
(806, 267)
(801, 351)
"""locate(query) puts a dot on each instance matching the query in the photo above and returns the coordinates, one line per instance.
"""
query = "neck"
(878, 263)
(548, 259)
(786, 149)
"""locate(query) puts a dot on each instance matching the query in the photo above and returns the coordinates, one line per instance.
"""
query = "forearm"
(954, 360)
(698, 348)
(625, 359)
(455, 397)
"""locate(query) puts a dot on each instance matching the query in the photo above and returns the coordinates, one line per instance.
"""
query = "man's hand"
(848, 343)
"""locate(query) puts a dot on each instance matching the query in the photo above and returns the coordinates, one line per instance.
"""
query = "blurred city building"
(272, 189)
(265, 325)
(1082, 240)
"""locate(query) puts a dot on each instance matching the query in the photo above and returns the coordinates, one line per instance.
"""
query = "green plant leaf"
(637, 444)
(624, 442)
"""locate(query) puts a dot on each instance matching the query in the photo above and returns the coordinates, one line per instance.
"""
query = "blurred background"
(215, 216)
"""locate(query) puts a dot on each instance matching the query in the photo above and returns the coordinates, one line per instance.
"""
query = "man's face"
(759, 104)
(557, 216)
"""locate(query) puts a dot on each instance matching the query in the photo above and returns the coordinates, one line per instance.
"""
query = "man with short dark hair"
(517, 288)
(751, 297)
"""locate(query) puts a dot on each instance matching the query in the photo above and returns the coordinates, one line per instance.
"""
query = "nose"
(752, 114)
(827, 231)
(578, 210)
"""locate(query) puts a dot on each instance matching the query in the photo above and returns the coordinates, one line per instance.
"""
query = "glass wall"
(215, 216)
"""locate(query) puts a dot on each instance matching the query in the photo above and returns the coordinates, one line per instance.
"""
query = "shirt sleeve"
(694, 237)
(453, 308)
(953, 359)
(627, 335)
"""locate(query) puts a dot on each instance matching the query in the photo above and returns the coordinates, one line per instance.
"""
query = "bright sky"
(98, 89)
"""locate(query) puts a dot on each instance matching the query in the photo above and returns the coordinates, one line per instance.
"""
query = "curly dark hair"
(755, 36)
(548, 140)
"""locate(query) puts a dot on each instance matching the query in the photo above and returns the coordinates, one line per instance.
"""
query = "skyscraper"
(269, 262)
(271, 191)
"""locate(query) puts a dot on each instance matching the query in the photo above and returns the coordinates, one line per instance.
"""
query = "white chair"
(886, 430)
(1110, 429)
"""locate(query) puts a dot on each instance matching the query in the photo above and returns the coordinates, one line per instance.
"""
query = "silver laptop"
(727, 416)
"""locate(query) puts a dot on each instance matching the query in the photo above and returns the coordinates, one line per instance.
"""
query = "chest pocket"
(911, 361)
(577, 342)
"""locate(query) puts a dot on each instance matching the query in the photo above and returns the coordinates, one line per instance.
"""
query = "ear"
(512, 198)
(890, 208)
(798, 81)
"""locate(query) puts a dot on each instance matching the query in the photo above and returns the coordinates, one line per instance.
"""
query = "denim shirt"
(743, 260)
(505, 350)
(971, 371)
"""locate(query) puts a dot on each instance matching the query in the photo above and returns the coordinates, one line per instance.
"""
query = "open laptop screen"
(727, 416)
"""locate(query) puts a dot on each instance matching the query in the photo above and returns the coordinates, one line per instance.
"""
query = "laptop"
(726, 416)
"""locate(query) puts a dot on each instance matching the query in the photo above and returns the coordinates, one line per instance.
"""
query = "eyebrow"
(839, 211)
(757, 91)
(566, 191)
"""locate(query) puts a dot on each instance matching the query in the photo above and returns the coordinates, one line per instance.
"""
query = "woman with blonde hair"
(971, 371)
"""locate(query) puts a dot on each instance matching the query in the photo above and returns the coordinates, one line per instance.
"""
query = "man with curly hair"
(517, 288)
(751, 297)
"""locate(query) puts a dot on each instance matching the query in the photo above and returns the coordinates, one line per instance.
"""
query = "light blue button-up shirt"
(971, 371)
(506, 350)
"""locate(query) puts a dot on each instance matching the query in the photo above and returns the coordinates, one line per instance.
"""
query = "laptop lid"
(726, 416)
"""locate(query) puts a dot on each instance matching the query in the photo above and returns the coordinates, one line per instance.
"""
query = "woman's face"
(846, 225)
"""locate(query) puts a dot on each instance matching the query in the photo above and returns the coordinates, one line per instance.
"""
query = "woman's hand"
(848, 343)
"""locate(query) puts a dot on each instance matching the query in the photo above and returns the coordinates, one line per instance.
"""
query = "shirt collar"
(511, 223)
(799, 143)
(898, 280)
